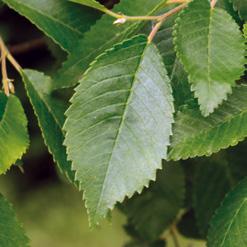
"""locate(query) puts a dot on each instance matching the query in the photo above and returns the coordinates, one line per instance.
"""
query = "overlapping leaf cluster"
(138, 103)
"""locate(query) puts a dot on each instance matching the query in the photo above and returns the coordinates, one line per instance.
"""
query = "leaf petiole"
(162, 18)
(121, 18)
(7, 83)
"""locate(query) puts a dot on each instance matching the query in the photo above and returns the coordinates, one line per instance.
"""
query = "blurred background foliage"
(52, 210)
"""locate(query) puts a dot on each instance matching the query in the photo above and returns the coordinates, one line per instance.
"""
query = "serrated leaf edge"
(20, 224)
(174, 34)
(41, 29)
(221, 204)
(39, 124)
(153, 176)
(27, 141)
(203, 132)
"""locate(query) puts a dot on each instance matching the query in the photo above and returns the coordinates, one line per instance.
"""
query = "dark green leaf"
(156, 208)
(136, 243)
(179, 80)
(208, 194)
(187, 225)
(241, 7)
(229, 225)
(50, 114)
(103, 36)
(61, 20)
(195, 135)
(91, 3)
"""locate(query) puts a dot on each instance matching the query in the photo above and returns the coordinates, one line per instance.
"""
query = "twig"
(27, 46)
(177, 1)
(162, 18)
(7, 83)
(213, 3)
(121, 18)
(154, 31)
(174, 236)
(15, 64)
(129, 18)
(5, 79)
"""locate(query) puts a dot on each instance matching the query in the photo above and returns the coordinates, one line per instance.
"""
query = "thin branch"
(174, 236)
(162, 18)
(213, 3)
(27, 46)
(121, 18)
(5, 79)
(177, 1)
(7, 83)
(154, 31)
(15, 64)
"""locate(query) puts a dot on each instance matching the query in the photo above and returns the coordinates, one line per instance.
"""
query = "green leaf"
(225, 170)
(211, 48)
(194, 135)
(187, 225)
(164, 41)
(12, 234)
(179, 79)
(119, 124)
(136, 243)
(180, 85)
(156, 208)
(14, 138)
(92, 4)
(221, 181)
(50, 114)
(91, 45)
(245, 30)
(228, 226)
(62, 21)
(236, 157)
(241, 7)
(228, 6)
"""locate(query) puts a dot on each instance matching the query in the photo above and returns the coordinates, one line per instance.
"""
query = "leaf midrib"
(232, 221)
(120, 127)
(115, 37)
(210, 128)
(209, 45)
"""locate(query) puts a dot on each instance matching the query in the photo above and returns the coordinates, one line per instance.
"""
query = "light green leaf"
(14, 138)
(50, 113)
(165, 197)
(119, 124)
(229, 225)
(194, 135)
(92, 4)
(61, 20)
(103, 35)
(12, 234)
(211, 48)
